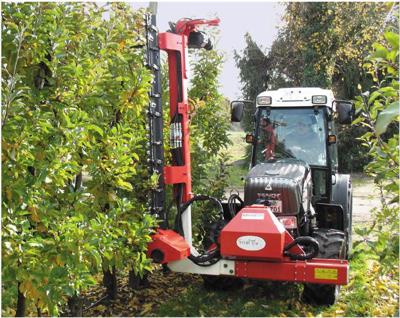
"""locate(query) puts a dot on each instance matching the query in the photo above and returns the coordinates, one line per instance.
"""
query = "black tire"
(332, 244)
(342, 194)
(212, 282)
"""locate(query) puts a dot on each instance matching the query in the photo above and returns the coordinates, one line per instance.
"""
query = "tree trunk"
(75, 306)
(137, 282)
(21, 304)
(110, 282)
(78, 181)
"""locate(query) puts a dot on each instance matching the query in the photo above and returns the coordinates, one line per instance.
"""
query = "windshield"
(292, 133)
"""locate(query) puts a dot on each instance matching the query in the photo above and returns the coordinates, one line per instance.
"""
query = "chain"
(155, 150)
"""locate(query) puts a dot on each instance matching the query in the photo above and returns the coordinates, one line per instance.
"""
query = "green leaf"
(357, 120)
(373, 96)
(123, 184)
(386, 116)
(380, 51)
(393, 39)
(95, 128)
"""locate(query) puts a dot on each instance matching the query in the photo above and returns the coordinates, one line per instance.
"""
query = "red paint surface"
(295, 271)
(175, 45)
(269, 229)
(173, 245)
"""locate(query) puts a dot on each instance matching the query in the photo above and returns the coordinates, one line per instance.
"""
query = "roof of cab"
(297, 96)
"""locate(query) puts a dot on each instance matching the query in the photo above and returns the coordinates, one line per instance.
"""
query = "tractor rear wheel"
(212, 282)
(332, 244)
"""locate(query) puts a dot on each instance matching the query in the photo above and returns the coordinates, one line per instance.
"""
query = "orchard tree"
(324, 44)
(254, 70)
(209, 123)
(378, 109)
(74, 94)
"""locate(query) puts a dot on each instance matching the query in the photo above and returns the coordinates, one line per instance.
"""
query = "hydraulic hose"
(304, 241)
(232, 206)
(210, 257)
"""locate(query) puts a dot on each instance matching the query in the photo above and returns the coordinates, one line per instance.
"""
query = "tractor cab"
(291, 133)
(298, 123)
(294, 166)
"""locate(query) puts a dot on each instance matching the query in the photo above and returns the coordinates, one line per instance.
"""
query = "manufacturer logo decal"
(252, 216)
(250, 243)
(268, 187)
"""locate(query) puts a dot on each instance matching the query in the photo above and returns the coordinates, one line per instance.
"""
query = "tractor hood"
(279, 184)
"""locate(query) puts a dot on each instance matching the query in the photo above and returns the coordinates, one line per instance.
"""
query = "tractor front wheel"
(331, 245)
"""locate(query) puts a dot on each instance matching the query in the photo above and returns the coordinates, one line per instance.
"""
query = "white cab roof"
(297, 96)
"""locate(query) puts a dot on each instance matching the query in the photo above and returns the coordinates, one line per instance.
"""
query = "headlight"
(264, 100)
(319, 99)
(289, 222)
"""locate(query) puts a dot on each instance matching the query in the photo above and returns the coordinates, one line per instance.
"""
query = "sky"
(260, 19)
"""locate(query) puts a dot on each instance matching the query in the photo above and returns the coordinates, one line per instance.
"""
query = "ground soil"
(366, 197)
(167, 286)
(162, 286)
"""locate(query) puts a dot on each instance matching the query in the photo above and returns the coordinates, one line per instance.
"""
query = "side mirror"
(345, 110)
(237, 111)
(331, 139)
(250, 139)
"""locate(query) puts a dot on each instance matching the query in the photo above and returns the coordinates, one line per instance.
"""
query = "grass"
(237, 173)
(367, 294)
(237, 148)
(236, 168)
(359, 179)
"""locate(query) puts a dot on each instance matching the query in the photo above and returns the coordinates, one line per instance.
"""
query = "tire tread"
(332, 245)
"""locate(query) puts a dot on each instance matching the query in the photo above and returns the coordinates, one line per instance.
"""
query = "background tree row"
(320, 45)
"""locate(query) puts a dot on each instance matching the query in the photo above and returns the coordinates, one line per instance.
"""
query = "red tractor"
(294, 223)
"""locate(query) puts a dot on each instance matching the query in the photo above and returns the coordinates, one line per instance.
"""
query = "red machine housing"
(254, 233)
(168, 246)
(255, 239)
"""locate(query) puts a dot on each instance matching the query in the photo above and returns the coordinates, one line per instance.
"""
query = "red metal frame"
(330, 271)
(175, 46)
(185, 26)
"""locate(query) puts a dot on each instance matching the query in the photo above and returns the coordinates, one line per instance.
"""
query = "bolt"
(231, 271)
(225, 265)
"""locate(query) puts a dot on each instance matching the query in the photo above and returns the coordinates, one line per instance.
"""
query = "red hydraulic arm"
(176, 46)
(167, 245)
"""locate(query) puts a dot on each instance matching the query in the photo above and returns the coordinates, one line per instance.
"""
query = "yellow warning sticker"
(326, 273)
